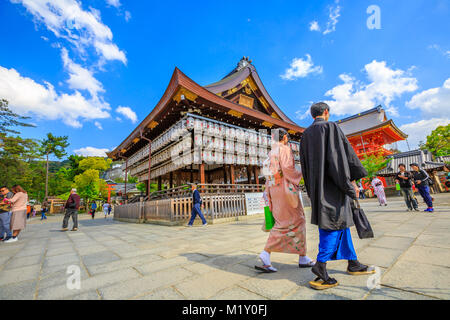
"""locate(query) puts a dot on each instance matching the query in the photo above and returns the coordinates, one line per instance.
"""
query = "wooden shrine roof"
(183, 91)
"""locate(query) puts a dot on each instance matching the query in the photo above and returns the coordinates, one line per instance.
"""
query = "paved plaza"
(141, 261)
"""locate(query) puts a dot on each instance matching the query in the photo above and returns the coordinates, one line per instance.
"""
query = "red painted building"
(370, 131)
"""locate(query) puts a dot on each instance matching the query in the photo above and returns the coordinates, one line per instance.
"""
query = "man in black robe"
(330, 166)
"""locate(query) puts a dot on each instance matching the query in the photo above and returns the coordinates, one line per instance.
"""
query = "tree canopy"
(438, 142)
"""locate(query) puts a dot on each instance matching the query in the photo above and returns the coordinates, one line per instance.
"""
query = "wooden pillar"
(149, 166)
(256, 173)
(249, 175)
(225, 179)
(202, 173)
(178, 178)
(192, 174)
(171, 179)
(232, 173)
(159, 183)
(126, 176)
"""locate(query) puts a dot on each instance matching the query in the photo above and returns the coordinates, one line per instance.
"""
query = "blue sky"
(93, 70)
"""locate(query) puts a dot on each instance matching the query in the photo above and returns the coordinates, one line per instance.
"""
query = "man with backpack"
(422, 182)
(404, 179)
(71, 206)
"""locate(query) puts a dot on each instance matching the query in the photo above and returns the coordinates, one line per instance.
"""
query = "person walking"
(72, 205)
(109, 208)
(105, 208)
(404, 179)
(422, 181)
(196, 207)
(288, 235)
(93, 209)
(18, 212)
(44, 210)
(329, 167)
(5, 215)
(378, 189)
(361, 191)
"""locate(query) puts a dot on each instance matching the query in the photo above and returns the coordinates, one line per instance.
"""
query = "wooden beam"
(202, 173)
(232, 173)
(225, 180)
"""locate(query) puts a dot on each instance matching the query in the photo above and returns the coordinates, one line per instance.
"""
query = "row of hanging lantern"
(228, 144)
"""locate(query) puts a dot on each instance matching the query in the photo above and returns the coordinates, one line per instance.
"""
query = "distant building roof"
(423, 158)
(369, 120)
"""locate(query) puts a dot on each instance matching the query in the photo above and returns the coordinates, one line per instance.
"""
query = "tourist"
(196, 207)
(404, 179)
(44, 210)
(288, 235)
(422, 180)
(330, 167)
(361, 191)
(378, 189)
(72, 205)
(93, 209)
(105, 208)
(109, 208)
(18, 212)
(5, 215)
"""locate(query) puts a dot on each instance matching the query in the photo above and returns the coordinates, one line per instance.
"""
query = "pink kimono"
(379, 190)
(288, 234)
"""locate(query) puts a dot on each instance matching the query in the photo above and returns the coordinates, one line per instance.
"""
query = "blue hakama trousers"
(335, 245)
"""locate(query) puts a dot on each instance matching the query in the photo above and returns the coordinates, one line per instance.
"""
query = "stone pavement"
(130, 261)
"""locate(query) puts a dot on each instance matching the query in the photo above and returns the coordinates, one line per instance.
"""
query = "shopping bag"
(269, 221)
(397, 186)
(362, 224)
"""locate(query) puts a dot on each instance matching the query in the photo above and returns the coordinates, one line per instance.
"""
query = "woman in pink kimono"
(378, 189)
(288, 235)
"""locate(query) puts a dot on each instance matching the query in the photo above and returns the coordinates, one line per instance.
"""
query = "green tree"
(9, 119)
(438, 142)
(373, 164)
(97, 163)
(56, 146)
(88, 184)
(142, 187)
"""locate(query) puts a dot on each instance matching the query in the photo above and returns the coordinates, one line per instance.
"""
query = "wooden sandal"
(320, 284)
(266, 269)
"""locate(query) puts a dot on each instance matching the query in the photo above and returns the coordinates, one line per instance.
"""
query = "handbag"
(362, 224)
(269, 220)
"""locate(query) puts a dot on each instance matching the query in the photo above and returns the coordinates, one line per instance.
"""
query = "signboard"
(254, 203)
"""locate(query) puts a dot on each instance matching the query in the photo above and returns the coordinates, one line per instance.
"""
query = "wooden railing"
(179, 209)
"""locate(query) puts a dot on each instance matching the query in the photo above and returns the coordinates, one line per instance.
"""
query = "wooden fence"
(179, 209)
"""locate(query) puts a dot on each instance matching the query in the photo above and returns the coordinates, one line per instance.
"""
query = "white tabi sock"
(304, 260)
(265, 257)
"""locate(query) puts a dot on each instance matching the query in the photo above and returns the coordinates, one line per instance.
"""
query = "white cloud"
(29, 97)
(432, 102)
(445, 53)
(67, 20)
(128, 16)
(418, 131)
(300, 68)
(333, 16)
(80, 78)
(314, 26)
(114, 3)
(98, 125)
(91, 152)
(127, 112)
(385, 85)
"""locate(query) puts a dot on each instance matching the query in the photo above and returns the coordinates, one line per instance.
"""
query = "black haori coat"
(329, 164)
